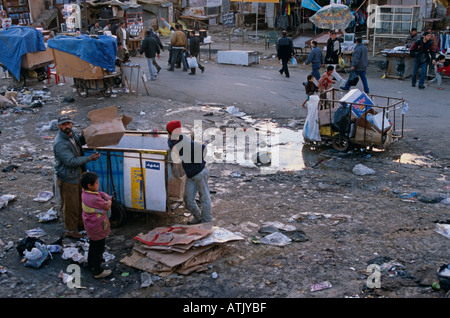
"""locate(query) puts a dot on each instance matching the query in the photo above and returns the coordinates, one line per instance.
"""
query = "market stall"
(22, 49)
(395, 22)
(90, 61)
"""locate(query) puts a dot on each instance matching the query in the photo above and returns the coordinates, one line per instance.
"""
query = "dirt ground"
(349, 220)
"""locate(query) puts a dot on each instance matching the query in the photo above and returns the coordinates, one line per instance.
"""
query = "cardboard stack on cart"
(370, 126)
(90, 61)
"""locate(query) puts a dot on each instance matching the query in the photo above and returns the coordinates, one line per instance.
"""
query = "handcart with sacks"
(354, 118)
(89, 60)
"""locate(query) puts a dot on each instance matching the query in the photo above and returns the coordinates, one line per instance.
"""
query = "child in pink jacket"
(96, 205)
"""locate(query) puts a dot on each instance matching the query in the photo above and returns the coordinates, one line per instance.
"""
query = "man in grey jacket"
(359, 65)
(69, 165)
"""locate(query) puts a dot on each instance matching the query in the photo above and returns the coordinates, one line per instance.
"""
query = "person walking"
(151, 49)
(440, 69)
(422, 51)
(285, 50)
(194, 51)
(333, 55)
(359, 65)
(178, 41)
(191, 156)
(315, 58)
(161, 47)
(70, 163)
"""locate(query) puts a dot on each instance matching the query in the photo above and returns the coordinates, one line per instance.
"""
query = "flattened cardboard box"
(107, 127)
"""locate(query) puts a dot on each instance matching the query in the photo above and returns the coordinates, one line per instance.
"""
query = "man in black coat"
(423, 53)
(333, 54)
(194, 50)
(285, 50)
(151, 49)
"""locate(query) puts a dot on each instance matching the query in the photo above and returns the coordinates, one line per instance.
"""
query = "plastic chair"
(50, 73)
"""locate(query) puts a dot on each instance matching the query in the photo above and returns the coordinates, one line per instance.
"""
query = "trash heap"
(182, 249)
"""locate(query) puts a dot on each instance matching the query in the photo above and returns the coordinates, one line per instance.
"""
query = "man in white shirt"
(123, 36)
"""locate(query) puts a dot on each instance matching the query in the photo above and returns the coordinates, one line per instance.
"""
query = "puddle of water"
(283, 150)
(409, 158)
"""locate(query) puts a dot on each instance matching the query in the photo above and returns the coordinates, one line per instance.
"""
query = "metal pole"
(256, 33)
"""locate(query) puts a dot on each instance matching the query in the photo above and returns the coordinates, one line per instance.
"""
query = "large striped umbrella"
(332, 16)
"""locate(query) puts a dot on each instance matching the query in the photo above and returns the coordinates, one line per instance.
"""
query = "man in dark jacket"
(194, 50)
(285, 50)
(333, 55)
(359, 65)
(70, 163)
(191, 155)
(422, 52)
(151, 49)
(161, 46)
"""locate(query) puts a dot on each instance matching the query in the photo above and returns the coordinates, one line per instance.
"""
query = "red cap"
(172, 125)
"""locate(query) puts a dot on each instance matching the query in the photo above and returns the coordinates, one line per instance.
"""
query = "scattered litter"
(53, 125)
(214, 275)
(37, 232)
(444, 276)
(219, 236)
(5, 199)
(443, 229)
(321, 286)
(108, 256)
(316, 215)
(255, 240)
(429, 198)
(10, 168)
(362, 170)
(146, 280)
(280, 226)
(36, 257)
(235, 111)
(44, 196)
(412, 195)
(74, 254)
(390, 267)
(277, 239)
(50, 215)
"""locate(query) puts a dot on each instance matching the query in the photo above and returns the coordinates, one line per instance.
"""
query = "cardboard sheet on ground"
(219, 236)
(174, 235)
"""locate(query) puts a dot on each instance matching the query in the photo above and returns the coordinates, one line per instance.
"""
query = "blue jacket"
(360, 57)
(315, 56)
(193, 162)
(69, 162)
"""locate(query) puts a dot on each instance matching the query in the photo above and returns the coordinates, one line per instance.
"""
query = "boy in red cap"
(191, 155)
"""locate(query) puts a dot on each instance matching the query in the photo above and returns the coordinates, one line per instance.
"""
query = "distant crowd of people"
(423, 48)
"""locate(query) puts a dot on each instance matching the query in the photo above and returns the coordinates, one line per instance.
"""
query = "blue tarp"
(100, 51)
(311, 5)
(16, 41)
